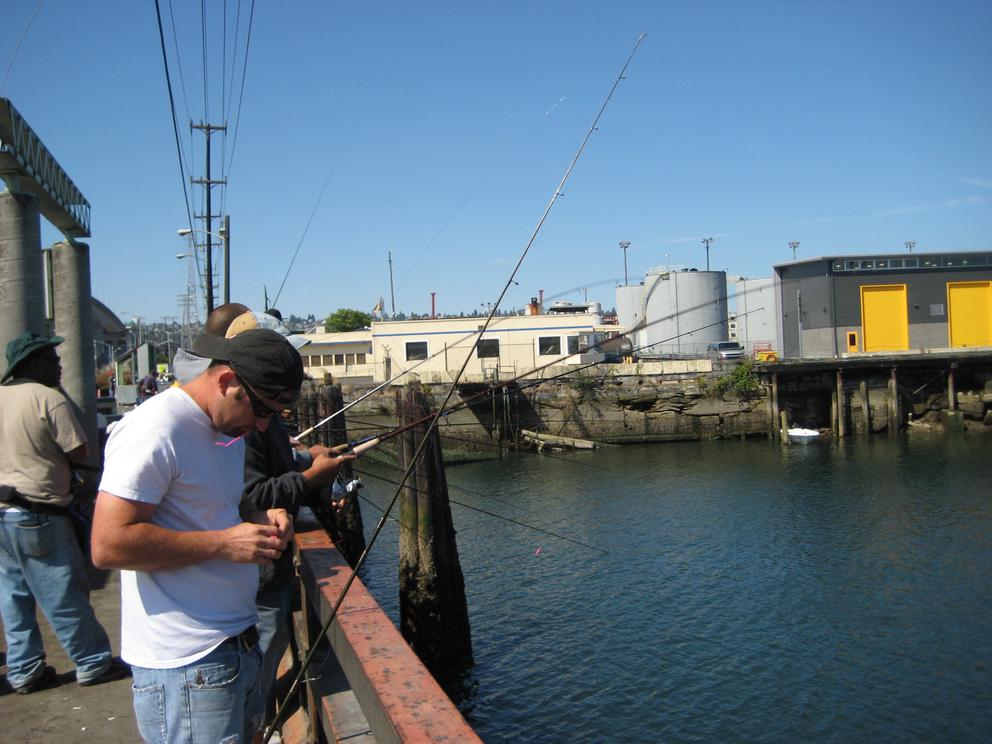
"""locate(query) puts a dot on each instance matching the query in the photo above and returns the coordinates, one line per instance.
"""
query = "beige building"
(338, 354)
(435, 350)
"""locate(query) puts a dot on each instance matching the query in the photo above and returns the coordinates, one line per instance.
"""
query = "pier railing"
(399, 699)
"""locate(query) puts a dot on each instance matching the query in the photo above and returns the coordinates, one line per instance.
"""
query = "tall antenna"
(189, 310)
(706, 242)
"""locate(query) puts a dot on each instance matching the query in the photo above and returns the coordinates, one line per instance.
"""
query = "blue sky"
(848, 126)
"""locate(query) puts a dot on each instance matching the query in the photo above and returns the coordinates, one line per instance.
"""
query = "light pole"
(793, 244)
(706, 242)
(625, 244)
(225, 237)
(910, 245)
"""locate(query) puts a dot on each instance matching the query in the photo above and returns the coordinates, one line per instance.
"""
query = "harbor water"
(749, 592)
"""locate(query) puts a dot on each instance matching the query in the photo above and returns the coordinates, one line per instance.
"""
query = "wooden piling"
(841, 406)
(433, 609)
(784, 432)
(773, 418)
(865, 406)
(952, 402)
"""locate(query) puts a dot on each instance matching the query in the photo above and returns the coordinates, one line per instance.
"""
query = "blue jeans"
(214, 700)
(273, 639)
(41, 565)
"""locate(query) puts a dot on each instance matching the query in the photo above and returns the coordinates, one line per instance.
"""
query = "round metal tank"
(683, 312)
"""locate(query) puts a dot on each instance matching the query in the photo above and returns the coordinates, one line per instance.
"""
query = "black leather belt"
(246, 640)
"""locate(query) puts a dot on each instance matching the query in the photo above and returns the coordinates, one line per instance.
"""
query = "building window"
(573, 344)
(328, 360)
(895, 263)
(867, 264)
(881, 263)
(852, 265)
(416, 350)
(488, 348)
(910, 263)
(838, 265)
(929, 262)
(349, 358)
(359, 359)
(549, 345)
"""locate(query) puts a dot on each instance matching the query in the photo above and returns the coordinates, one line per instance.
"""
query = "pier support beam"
(952, 398)
(773, 400)
(73, 311)
(894, 418)
(22, 288)
(865, 406)
(841, 405)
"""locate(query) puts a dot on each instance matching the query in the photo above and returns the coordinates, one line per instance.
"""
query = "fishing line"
(304, 235)
(433, 423)
(484, 178)
(486, 512)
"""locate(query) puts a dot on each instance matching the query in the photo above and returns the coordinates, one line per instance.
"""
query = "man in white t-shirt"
(167, 515)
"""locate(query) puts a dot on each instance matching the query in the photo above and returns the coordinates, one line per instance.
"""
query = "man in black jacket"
(275, 480)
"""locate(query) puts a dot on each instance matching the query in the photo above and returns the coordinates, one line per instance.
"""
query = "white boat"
(801, 436)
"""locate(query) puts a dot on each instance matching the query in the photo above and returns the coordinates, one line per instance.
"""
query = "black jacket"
(273, 481)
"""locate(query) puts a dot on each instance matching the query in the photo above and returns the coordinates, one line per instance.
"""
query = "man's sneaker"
(117, 670)
(40, 682)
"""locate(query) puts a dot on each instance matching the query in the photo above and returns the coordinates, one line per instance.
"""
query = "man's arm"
(79, 454)
(123, 537)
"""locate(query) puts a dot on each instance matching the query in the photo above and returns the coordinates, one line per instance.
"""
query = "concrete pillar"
(22, 286)
(841, 405)
(74, 321)
(865, 406)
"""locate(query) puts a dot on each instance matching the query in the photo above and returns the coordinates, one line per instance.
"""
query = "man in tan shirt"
(41, 563)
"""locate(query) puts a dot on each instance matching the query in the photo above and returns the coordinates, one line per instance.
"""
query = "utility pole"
(208, 218)
(706, 242)
(793, 244)
(625, 244)
(910, 245)
(392, 297)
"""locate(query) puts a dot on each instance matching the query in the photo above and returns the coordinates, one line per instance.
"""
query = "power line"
(303, 236)
(19, 42)
(172, 107)
(241, 95)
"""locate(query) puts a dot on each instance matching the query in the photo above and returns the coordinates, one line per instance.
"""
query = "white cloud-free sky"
(441, 130)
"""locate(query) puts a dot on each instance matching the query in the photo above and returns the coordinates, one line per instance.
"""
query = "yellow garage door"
(884, 317)
(969, 313)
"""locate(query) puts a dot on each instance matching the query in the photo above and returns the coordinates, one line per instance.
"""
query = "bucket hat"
(24, 346)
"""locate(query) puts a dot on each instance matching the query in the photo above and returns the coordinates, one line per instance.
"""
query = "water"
(751, 592)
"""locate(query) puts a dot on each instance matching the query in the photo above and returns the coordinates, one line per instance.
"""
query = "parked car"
(725, 350)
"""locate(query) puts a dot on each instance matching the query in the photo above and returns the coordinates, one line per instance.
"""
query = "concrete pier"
(22, 289)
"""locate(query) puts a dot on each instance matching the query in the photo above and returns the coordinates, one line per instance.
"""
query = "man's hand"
(255, 543)
(325, 468)
(319, 449)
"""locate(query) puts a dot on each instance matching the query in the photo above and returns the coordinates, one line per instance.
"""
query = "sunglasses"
(258, 407)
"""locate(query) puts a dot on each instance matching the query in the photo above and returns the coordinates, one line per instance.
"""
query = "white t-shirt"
(166, 452)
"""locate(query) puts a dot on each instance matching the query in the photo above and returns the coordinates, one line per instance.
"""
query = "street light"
(910, 245)
(625, 244)
(793, 244)
(224, 234)
(706, 242)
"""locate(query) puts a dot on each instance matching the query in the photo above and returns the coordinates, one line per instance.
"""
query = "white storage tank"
(682, 311)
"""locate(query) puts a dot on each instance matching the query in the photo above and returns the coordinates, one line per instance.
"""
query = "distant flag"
(377, 310)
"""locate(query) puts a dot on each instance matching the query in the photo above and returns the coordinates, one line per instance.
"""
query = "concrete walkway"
(67, 713)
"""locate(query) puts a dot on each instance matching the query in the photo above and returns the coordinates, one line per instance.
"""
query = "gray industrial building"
(754, 314)
(835, 306)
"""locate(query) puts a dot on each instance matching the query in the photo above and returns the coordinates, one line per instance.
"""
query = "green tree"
(345, 319)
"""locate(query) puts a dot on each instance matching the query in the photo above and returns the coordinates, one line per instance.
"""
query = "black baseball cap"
(261, 357)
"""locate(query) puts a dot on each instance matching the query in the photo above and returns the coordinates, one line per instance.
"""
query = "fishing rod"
(451, 390)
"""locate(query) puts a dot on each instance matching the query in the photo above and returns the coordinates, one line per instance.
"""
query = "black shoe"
(117, 670)
(40, 682)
